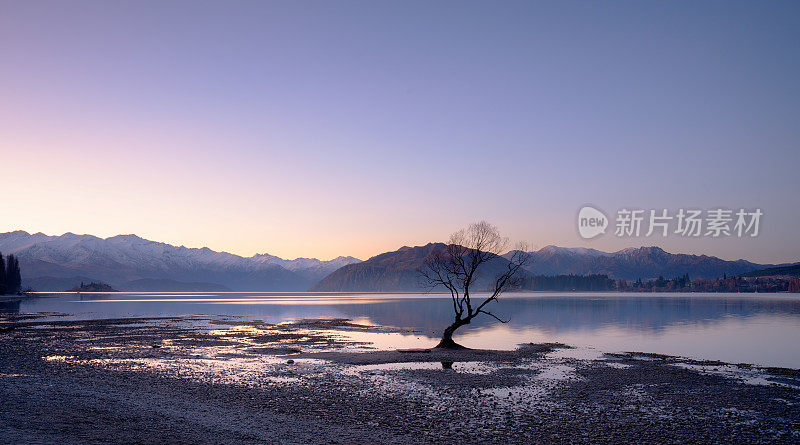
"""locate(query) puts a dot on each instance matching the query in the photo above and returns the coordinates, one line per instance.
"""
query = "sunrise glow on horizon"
(225, 126)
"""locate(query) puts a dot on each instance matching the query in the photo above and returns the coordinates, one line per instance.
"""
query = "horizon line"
(403, 246)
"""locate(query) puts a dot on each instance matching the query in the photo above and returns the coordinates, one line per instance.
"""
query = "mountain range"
(131, 263)
(128, 262)
(633, 263)
(397, 270)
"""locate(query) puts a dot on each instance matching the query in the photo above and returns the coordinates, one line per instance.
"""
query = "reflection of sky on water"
(761, 339)
(730, 327)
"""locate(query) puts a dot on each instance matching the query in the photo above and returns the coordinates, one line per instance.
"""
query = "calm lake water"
(751, 328)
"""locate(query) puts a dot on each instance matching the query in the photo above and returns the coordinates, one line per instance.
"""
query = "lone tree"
(468, 263)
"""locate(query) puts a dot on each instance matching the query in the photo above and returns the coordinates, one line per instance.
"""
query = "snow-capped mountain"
(632, 263)
(124, 259)
(311, 267)
(128, 262)
(575, 251)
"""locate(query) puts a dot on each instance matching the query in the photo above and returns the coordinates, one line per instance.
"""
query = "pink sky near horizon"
(322, 129)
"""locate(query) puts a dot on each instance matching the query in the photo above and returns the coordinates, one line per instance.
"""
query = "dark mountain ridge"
(399, 271)
(389, 271)
(792, 270)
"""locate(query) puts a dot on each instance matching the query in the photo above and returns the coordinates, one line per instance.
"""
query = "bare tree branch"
(461, 267)
(494, 316)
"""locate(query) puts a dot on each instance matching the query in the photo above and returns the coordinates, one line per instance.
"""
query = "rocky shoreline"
(225, 379)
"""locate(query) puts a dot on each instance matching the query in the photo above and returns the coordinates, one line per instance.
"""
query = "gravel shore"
(226, 380)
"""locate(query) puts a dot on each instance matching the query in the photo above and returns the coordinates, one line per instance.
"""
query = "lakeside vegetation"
(725, 284)
(10, 277)
(602, 282)
(571, 282)
(93, 287)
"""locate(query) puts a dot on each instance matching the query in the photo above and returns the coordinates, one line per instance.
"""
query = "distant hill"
(48, 262)
(167, 285)
(394, 271)
(633, 263)
(390, 271)
(140, 285)
(789, 271)
(54, 284)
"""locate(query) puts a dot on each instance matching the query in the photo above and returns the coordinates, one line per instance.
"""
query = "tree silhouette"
(10, 278)
(3, 286)
(469, 254)
(15, 277)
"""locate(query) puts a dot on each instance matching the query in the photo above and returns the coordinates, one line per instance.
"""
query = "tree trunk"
(447, 337)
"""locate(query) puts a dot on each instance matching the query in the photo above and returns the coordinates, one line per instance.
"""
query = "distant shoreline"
(423, 294)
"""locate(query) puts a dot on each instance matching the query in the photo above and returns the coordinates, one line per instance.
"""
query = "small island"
(93, 287)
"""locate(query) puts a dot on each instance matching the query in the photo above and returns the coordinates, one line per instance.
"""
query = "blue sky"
(328, 128)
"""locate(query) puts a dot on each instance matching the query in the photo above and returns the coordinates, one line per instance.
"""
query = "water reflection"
(722, 326)
(9, 306)
(649, 312)
(653, 314)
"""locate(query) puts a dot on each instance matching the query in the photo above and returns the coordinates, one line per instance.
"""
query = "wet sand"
(223, 380)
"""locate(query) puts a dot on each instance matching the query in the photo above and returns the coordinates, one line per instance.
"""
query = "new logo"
(591, 222)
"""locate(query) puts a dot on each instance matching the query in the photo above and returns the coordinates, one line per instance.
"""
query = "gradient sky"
(350, 128)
